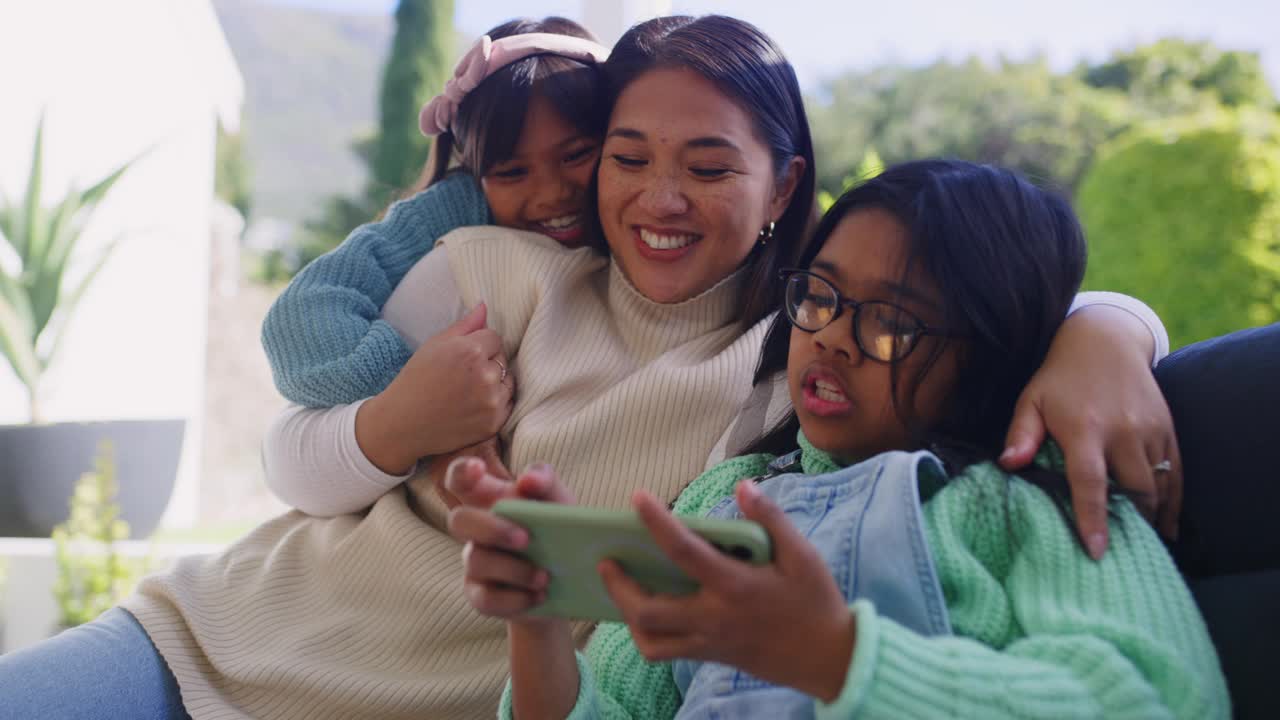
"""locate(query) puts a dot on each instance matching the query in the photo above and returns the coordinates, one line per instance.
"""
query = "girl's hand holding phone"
(496, 582)
(785, 622)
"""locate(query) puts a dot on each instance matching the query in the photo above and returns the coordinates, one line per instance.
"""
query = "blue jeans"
(106, 669)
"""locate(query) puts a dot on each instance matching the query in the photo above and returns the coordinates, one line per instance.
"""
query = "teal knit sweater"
(324, 337)
(1041, 631)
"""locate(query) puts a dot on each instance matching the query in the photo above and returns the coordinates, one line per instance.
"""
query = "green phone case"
(571, 541)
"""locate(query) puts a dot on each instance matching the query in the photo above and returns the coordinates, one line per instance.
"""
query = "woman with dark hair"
(632, 357)
(630, 364)
(904, 583)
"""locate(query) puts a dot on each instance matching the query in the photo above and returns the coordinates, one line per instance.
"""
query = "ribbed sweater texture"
(362, 616)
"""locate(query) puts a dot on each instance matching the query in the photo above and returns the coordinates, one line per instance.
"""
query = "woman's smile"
(656, 243)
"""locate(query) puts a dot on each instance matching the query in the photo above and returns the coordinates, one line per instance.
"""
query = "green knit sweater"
(1041, 631)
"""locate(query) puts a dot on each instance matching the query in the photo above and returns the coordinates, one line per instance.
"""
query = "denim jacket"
(865, 520)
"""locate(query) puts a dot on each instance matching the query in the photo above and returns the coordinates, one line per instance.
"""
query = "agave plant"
(34, 305)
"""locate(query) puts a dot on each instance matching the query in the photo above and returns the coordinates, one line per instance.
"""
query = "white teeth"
(665, 242)
(560, 223)
(828, 391)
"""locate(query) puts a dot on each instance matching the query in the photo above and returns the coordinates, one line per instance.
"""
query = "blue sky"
(823, 38)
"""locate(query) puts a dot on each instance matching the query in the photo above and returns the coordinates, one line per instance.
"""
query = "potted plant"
(40, 462)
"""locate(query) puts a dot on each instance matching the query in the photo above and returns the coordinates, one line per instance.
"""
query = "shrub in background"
(92, 574)
(1185, 215)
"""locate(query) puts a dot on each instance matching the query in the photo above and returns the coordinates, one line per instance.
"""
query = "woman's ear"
(788, 181)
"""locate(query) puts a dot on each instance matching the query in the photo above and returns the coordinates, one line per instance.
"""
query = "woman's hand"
(497, 582)
(454, 392)
(1096, 395)
(743, 615)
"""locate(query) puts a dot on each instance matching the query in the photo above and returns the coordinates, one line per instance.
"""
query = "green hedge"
(1186, 217)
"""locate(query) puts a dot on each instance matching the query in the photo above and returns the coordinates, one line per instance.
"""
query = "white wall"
(115, 80)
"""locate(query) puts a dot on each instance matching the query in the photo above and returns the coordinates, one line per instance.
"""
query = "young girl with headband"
(904, 583)
(522, 119)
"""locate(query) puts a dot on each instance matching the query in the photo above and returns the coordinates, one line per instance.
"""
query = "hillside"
(311, 83)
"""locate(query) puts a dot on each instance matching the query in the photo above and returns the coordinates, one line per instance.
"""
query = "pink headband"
(488, 56)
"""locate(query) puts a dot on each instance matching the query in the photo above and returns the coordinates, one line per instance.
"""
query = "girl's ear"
(788, 181)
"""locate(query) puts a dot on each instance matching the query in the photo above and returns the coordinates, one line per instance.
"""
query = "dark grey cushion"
(1243, 615)
(1225, 398)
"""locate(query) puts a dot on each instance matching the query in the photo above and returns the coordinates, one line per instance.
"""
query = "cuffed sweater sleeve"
(324, 336)
(615, 682)
(1135, 307)
(314, 464)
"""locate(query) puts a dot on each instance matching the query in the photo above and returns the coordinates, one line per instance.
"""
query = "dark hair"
(1007, 258)
(491, 117)
(748, 67)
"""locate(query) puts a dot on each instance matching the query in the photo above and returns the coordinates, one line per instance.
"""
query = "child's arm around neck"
(323, 336)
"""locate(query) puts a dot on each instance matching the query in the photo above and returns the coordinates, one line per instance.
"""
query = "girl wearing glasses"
(911, 576)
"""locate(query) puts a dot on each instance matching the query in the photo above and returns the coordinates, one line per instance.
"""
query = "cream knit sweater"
(362, 615)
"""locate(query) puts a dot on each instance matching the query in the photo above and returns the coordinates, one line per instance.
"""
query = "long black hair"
(1007, 258)
(491, 117)
(747, 66)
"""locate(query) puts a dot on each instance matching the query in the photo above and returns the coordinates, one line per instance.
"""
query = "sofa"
(1224, 394)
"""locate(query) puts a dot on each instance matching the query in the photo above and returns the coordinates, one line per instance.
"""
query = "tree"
(1185, 214)
(1174, 76)
(870, 167)
(417, 69)
(1016, 114)
(1021, 114)
(231, 176)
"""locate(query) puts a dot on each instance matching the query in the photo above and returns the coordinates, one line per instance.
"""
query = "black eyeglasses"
(883, 331)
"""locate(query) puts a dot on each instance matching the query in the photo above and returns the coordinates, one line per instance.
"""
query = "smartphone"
(569, 542)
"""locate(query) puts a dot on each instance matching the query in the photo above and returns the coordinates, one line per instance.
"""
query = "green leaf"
(7, 218)
(91, 197)
(16, 346)
(31, 218)
(62, 224)
(15, 294)
(71, 300)
(62, 235)
(72, 215)
(46, 271)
